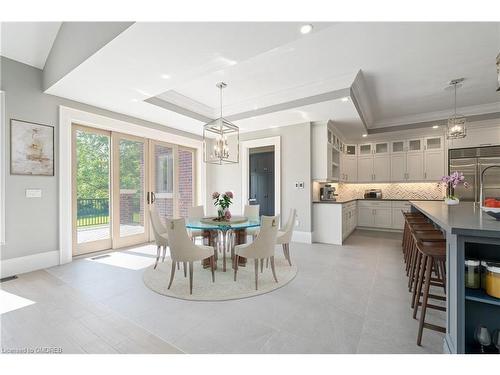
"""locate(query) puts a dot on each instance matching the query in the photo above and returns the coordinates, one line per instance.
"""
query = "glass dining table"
(223, 232)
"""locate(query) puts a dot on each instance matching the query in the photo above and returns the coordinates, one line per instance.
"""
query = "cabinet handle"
(425, 175)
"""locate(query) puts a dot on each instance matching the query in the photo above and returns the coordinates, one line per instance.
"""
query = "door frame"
(245, 165)
(69, 116)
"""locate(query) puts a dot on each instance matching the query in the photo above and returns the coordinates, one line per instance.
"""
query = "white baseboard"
(16, 266)
(381, 229)
(303, 237)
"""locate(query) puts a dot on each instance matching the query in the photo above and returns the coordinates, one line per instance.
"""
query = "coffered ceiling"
(276, 76)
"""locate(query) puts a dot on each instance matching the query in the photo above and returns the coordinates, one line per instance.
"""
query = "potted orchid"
(451, 182)
(222, 202)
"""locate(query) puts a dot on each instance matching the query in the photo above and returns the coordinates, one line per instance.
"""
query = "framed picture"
(31, 148)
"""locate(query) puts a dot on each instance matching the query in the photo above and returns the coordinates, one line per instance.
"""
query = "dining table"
(224, 235)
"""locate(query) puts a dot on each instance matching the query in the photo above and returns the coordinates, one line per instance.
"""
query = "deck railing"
(92, 212)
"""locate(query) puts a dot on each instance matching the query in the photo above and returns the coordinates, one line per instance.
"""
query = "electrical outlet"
(33, 193)
(296, 185)
(301, 185)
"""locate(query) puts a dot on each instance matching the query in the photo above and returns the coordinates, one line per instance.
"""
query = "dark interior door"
(262, 181)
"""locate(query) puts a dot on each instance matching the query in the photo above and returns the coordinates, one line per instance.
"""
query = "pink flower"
(215, 195)
(227, 215)
(229, 194)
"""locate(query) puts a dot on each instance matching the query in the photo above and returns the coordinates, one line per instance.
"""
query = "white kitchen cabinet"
(325, 153)
(433, 165)
(365, 217)
(381, 168)
(434, 143)
(382, 217)
(398, 166)
(381, 148)
(414, 166)
(398, 147)
(349, 168)
(365, 168)
(398, 221)
(374, 214)
(414, 145)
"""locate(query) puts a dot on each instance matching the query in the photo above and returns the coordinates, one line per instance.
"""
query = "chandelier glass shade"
(221, 139)
(457, 123)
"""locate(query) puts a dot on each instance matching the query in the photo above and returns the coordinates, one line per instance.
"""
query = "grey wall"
(295, 166)
(32, 224)
(75, 43)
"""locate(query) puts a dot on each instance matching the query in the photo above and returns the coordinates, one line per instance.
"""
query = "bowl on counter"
(492, 211)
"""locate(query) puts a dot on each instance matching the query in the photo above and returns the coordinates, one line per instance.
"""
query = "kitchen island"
(470, 233)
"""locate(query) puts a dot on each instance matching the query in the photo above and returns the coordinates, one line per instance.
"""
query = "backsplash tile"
(406, 190)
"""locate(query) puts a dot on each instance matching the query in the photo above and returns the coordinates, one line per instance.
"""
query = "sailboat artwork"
(32, 148)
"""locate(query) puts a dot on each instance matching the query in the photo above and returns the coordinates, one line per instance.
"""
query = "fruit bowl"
(492, 211)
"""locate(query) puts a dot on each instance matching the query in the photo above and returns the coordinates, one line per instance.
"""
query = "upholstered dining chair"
(252, 213)
(195, 212)
(261, 248)
(182, 249)
(284, 236)
(160, 234)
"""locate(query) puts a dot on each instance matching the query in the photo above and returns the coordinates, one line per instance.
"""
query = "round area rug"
(224, 288)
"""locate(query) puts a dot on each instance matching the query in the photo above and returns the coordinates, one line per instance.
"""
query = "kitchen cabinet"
(433, 165)
(349, 219)
(365, 149)
(365, 168)
(398, 221)
(349, 168)
(381, 168)
(374, 214)
(398, 167)
(325, 153)
(433, 143)
(407, 166)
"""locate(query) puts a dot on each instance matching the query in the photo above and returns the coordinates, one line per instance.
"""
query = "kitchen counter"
(374, 200)
(464, 218)
(470, 233)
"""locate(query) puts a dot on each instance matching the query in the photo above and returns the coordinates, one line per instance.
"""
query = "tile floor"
(345, 299)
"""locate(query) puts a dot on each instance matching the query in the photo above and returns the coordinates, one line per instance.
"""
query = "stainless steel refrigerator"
(471, 162)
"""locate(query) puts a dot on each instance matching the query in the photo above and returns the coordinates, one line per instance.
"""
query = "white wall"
(295, 167)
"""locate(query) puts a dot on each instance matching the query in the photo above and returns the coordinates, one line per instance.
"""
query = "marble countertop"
(466, 217)
(340, 201)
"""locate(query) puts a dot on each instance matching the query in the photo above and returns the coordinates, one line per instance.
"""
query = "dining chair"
(284, 236)
(182, 249)
(195, 212)
(159, 232)
(261, 248)
(252, 212)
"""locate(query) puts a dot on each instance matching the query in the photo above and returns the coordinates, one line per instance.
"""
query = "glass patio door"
(130, 215)
(91, 190)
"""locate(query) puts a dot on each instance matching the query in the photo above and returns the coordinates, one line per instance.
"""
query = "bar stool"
(433, 255)
(411, 250)
(413, 216)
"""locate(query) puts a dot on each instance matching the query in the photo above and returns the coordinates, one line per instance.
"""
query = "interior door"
(469, 168)
(131, 223)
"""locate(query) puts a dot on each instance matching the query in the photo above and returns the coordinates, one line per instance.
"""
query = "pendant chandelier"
(456, 123)
(221, 139)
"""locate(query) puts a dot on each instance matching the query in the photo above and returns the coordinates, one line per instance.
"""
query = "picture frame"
(31, 148)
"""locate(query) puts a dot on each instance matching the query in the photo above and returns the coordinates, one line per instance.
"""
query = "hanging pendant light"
(221, 139)
(456, 123)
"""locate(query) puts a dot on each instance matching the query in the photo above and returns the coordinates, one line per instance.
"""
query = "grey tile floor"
(345, 299)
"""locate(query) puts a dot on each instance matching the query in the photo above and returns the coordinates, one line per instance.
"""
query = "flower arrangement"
(451, 182)
(222, 202)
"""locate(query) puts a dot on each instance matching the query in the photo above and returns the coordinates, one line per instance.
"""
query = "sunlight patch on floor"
(124, 260)
(10, 302)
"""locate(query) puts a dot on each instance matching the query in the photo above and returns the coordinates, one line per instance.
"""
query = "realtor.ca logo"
(35, 350)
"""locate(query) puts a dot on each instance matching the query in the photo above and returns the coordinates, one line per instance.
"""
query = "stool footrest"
(434, 327)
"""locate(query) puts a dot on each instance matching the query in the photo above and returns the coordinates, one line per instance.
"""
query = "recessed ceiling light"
(135, 100)
(365, 135)
(345, 99)
(306, 29)
(435, 127)
(165, 76)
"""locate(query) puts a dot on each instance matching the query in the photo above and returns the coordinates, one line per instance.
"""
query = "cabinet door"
(398, 146)
(365, 217)
(381, 148)
(415, 166)
(365, 149)
(365, 169)
(398, 220)
(381, 168)
(433, 143)
(433, 165)
(415, 145)
(382, 217)
(350, 168)
(398, 167)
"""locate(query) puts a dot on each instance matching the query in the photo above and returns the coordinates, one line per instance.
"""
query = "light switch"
(301, 185)
(33, 193)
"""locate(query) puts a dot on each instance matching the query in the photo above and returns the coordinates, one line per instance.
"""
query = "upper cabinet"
(365, 149)
(434, 143)
(325, 153)
(381, 148)
(415, 145)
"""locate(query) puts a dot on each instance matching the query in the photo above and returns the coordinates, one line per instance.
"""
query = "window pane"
(92, 186)
(186, 191)
(131, 187)
(164, 175)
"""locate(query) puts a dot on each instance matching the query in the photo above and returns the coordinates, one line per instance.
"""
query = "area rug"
(224, 288)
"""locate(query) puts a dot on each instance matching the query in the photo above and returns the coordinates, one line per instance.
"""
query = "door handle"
(153, 197)
(147, 197)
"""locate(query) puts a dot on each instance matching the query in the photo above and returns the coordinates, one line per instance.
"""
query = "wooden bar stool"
(413, 216)
(433, 255)
(406, 232)
(411, 250)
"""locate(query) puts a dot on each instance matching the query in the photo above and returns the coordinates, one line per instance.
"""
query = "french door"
(116, 178)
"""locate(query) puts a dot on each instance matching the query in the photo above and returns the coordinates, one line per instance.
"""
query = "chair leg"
(256, 261)
(236, 261)
(267, 262)
(288, 254)
(164, 253)
(262, 265)
(212, 266)
(157, 256)
(178, 266)
(428, 271)
(190, 277)
(418, 286)
(172, 273)
(274, 269)
(185, 268)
